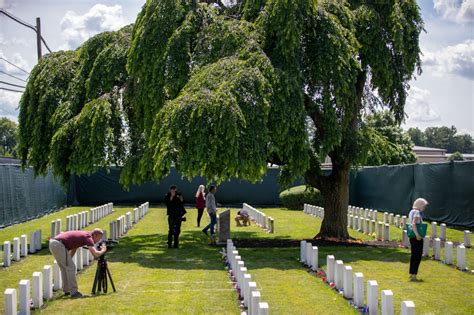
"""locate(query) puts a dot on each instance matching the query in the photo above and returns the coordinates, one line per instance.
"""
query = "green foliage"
(295, 197)
(456, 156)
(390, 144)
(417, 136)
(8, 137)
(46, 90)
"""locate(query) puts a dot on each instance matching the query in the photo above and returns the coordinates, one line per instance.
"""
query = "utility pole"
(36, 29)
(38, 37)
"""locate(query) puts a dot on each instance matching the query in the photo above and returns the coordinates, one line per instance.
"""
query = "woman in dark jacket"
(200, 203)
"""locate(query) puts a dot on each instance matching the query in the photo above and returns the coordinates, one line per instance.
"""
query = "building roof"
(421, 149)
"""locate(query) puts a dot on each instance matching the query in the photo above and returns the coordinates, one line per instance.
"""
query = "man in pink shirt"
(63, 247)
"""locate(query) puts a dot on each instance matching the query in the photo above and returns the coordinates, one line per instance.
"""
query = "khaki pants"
(67, 266)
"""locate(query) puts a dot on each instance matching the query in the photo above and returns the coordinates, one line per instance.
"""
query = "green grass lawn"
(150, 278)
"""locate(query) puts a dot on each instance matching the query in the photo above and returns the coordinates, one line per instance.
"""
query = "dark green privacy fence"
(449, 188)
(23, 197)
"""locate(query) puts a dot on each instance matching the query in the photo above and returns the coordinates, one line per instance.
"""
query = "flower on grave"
(324, 278)
(332, 284)
(365, 310)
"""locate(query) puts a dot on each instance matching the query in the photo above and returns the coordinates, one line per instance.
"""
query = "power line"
(11, 75)
(11, 90)
(18, 20)
(11, 63)
(20, 86)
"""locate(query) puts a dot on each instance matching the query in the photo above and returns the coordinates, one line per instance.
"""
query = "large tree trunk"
(336, 200)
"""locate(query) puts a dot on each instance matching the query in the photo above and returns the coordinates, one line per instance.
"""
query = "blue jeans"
(212, 224)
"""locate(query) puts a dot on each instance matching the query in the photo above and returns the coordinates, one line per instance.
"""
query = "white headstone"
(437, 249)
(405, 239)
(339, 274)
(314, 258)
(372, 297)
(16, 249)
(385, 218)
(303, 251)
(426, 246)
(254, 303)
(448, 252)
(442, 231)
(358, 289)
(390, 218)
(58, 226)
(10, 302)
(351, 221)
(397, 220)
(467, 238)
(38, 240)
(387, 302)
(404, 222)
(373, 227)
(251, 287)
(58, 283)
(379, 231)
(78, 255)
(408, 308)
(47, 282)
(330, 260)
(244, 290)
(262, 308)
(32, 243)
(309, 249)
(53, 228)
(24, 297)
(434, 230)
(347, 283)
(386, 232)
(85, 257)
(37, 289)
(461, 255)
(23, 246)
(367, 226)
(6, 254)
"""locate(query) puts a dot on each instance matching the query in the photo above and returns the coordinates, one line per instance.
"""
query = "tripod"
(100, 281)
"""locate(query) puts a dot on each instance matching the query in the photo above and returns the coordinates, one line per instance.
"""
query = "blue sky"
(442, 96)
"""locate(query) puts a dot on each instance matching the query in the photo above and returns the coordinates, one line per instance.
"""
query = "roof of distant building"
(418, 148)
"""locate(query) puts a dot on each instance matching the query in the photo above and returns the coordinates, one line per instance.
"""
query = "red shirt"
(200, 202)
(75, 239)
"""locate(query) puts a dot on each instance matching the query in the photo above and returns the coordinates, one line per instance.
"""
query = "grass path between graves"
(23, 269)
(152, 279)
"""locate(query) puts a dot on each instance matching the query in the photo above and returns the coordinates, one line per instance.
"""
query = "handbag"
(421, 227)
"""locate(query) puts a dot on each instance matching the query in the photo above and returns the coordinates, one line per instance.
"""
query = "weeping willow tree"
(222, 89)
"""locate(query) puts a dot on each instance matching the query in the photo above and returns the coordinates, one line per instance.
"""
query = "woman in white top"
(416, 216)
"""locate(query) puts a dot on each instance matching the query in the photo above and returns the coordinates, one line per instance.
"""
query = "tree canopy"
(395, 145)
(8, 137)
(443, 137)
(221, 90)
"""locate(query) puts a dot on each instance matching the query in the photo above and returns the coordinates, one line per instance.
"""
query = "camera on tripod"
(102, 274)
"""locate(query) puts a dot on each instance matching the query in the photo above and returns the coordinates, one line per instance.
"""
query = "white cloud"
(457, 59)
(459, 11)
(418, 108)
(9, 103)
(78, 28)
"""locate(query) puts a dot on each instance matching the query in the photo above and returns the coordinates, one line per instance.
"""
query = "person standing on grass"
(200, 203)
(63, 247)
(211, 207)
(175, 211)
(415, 217)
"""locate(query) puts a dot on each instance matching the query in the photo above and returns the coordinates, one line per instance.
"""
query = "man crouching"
(63, 247)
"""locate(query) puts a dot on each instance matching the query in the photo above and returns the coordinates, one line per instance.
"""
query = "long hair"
(200, 189)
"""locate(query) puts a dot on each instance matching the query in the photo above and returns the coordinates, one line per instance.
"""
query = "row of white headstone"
(313, 210)
(101, 211)
(352, 285)
(265, 222)
(20, 247)
(248, 288)
(43, 284)
(120, 226)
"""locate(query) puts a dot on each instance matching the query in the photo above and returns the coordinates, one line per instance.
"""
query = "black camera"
(99, 244)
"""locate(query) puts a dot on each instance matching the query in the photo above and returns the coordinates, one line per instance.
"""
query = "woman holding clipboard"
(415, 219)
